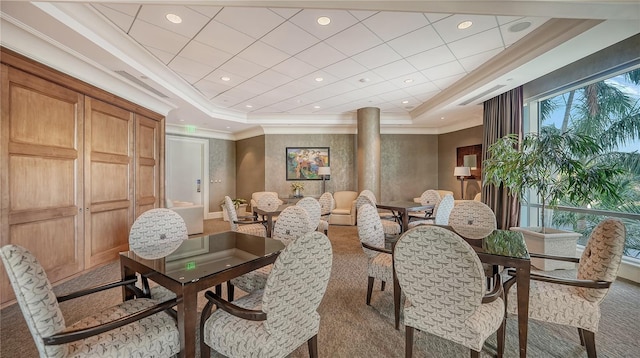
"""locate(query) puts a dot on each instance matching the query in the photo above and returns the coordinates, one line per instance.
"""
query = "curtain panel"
(502, 116)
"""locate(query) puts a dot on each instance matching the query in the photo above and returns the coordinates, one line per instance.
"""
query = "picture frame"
(302, 163)
(470, 156)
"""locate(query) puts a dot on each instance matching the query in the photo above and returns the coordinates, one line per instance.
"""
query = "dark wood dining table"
(198, 264)
(505, 248)
(402, 209)
(268, 215)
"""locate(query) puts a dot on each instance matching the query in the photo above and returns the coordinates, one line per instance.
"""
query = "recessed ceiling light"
(364, 80)
(323, 20)
(441, 117)
(408, 80)
(249, 106)
(174, 18)
(225, 78)
(465, 25)
(228, 127)
(316, 107)
(319, 79)
(181, 120)
(405, 102)
(520, 26)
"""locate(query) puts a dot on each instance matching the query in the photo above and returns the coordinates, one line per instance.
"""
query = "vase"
(296, 193)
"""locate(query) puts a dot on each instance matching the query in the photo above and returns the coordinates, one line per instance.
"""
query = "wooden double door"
(75, 173)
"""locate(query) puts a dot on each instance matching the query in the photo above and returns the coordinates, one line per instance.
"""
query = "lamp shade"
(462, 171)
(324, 171)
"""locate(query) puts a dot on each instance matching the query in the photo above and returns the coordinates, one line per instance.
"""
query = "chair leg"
(581, 335)
(369, 290)
(590, 343)
(313, 346)
(205, 351)
(219, 290)
(229, 291)
(501, 337)
(408, 348)
(475, 354)
(382, 286)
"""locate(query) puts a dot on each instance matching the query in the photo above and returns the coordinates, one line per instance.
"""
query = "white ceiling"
(409, 59)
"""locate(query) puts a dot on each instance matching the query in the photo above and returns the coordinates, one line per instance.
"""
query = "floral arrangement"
(297, 186)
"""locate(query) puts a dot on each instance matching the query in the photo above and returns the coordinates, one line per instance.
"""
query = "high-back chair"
(114, 332)
(380, 259)
(326, 205)
(258, 194)
(428, 197)
(449, 303)
(313, 209)
(243, 226)
(389, 227)
(276, 321)
(472, 219)
(576, 302)
(269, 202)
(442, 214)
(384, 214)
(293, 222)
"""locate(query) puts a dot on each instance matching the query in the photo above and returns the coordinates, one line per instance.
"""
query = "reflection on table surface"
(497, 242)
(211, 254)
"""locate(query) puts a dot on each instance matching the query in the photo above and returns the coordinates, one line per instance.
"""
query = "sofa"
(344, 212)
(192, 214)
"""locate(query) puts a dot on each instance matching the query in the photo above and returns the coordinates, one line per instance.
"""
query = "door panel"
(147, 164)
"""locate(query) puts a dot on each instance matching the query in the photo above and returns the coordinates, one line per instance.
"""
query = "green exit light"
(190, 265)
(190, 128)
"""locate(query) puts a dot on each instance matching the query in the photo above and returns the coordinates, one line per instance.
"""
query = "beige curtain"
(502, 116)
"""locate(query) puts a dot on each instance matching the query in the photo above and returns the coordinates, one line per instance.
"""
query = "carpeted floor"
(350, 328)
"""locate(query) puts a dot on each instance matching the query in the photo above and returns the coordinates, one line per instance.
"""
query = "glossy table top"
(200, 257)
(497, 242)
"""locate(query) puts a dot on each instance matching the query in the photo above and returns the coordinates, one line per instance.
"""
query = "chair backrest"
(472, 219)
(231, 211)
(157, 233)
(313, 209)
(297, 284)
(439, 272)
(35, 296)
(601, 257)
(292, 223)
(430, 197)
(327, 203)
(444, 210)
(478, 197)
(256, 195)
(369, 194)
(370, 229)
(269, 202)
(344, 199)
(362, 200)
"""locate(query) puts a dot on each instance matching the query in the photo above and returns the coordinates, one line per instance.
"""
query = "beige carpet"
(350, 328)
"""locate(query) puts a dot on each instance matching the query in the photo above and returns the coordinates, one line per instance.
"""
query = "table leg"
(405, 220)
(187, 317)
(126, 273)
(522, 280)
(269, 225)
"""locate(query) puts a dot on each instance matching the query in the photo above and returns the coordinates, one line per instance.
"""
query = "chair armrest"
(566, 281)
(252, 315)
(551, 257)
(95, 289)
(77, 334)
(497, 291)
(375, 248)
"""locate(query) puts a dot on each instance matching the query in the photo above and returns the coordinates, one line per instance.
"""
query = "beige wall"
(250, 166)
(222, 167)
(447, 145)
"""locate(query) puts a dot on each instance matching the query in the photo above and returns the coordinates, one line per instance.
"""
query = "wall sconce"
(324, 171)
(462, 172)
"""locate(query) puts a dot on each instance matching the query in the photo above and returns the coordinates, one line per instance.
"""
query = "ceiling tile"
(472, 62)
(163, 56)
(445, 70)
(307, 20)
(377, 56)
(417, 41)
(190, 67)
(253, 21)
(344, 41)
(422, 89)
(254, 87)
(157, 37)
(122, 19)
(320, 55)
(415, 78)
(272, 78)
(511, 37)
(432, 17)
(345, 68)
(234, 78)
(293, 67)
(197, 51)
(285, 13)
(208, 11)
(238, 66)
(390, 25)
(396, 95)
(221, 36)
(448, 81)
(192, 21)
(473, 45)
(430, 58)
(290, 38)
(365, 79)
(211, 89)
(263, 54)
(394, 69)
(448, 27)
(362, 14)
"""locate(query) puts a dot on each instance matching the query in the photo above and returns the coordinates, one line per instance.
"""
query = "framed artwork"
(471, 156)
(303, 162)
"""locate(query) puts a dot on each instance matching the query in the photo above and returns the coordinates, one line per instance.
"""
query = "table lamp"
(324, 171)
(462, 172)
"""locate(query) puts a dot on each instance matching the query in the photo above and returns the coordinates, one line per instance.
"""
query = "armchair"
(576, 302)
(247, 225)
(136, 327)
(275, 321)
(345, 211)
(257, 195)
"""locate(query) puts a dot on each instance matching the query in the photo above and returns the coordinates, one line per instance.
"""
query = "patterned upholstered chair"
(156, 233)
(389, 227)
(326, 204)
(442, 213)
(472, 219)
(313, 209)
(428, 197)
(134, 328)
(384, 214)
(247, 226)
(275, 321)
(268, 202)
(449, 303)
(380, 259)
(293, 223)
(257, 195)
(572, 302)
